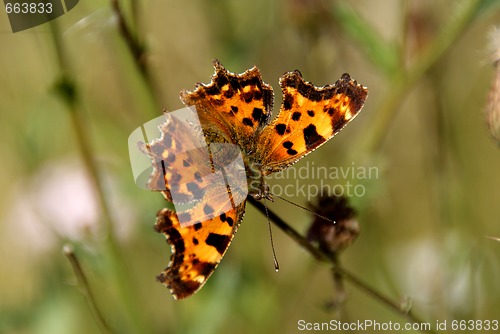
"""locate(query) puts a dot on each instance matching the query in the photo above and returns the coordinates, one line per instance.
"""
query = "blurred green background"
(425, 221)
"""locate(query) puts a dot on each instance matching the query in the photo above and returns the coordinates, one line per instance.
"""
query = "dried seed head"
(331, 237)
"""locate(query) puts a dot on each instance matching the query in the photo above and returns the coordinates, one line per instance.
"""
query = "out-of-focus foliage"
(424, 216)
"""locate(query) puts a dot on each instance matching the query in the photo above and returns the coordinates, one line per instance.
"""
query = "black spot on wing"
(229, 93)
(287, 102)
(171, 158)
(247, 121)
(194, 189)
(212, 90)
(176, 177)
(225, 219)
(205, 268)
(248, 97)
(207, 209)
(197, 226)
(329, 111)
(296, 116)
(311, 137)
(221, 79)
(219, 241)
(287, 144)
(315, 95)
(234, 82)
(280, 129)
(258, 115)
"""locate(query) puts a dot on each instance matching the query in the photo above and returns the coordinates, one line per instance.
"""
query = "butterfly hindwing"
(196, 249)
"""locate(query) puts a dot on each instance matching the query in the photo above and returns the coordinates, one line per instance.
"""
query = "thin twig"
(68, 91)
(322, 256)
(137, 50)
(85, 288)
(340, 292)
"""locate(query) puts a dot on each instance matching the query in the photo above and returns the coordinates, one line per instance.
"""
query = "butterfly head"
(257, 187)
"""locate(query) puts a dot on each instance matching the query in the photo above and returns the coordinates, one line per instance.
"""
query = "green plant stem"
(68, 92)
(404, 80)
(85, 287)
(330, 259)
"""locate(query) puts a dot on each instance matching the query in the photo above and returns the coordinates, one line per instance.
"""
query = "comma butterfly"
(236, 109)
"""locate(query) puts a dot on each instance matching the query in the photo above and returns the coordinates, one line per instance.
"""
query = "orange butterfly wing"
(196, 249)
(233, 106)
(308, 118)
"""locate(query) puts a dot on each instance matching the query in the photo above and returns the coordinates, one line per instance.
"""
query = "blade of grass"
(85, 288)
(68, 91)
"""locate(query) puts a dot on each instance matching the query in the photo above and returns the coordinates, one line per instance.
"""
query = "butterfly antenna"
(276, 264)
(307, 209)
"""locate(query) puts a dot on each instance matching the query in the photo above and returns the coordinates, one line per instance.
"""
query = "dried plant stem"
(137, 49)
(322, 256)
(85, 288)
(67, 90)
(340, 291)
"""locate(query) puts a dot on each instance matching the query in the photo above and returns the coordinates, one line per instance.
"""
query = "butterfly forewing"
(309, 117)
(233, 106)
